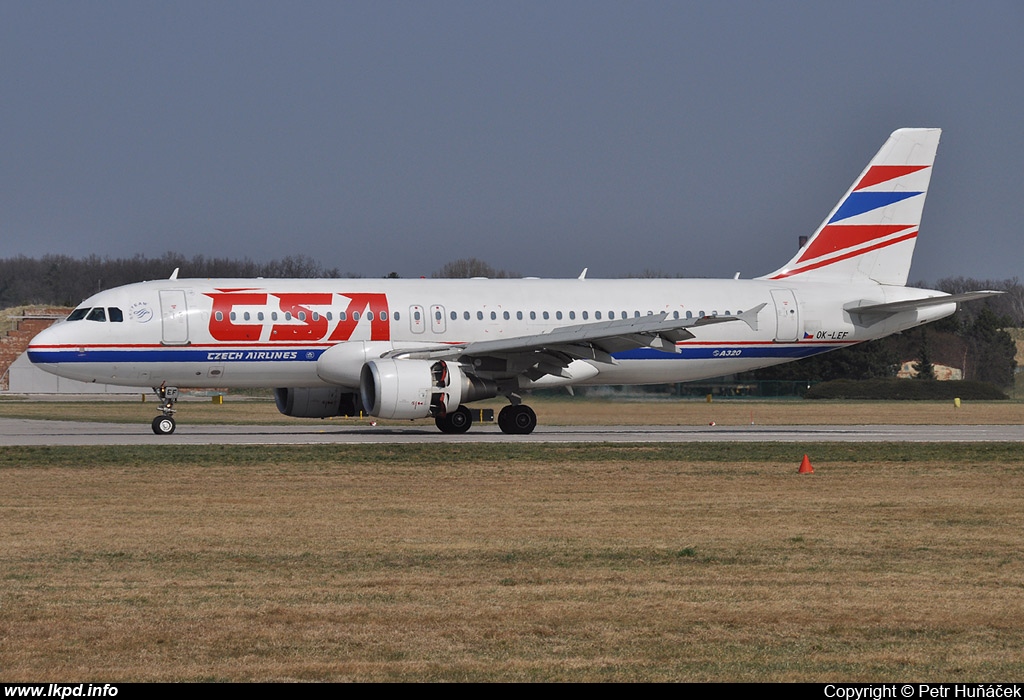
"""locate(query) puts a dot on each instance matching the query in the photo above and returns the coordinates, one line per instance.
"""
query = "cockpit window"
(115, 315)
(97, 314)
(78, 314)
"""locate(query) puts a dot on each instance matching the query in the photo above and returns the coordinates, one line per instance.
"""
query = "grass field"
(497, 563)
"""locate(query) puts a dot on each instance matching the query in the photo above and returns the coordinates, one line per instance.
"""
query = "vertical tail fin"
(870, 235)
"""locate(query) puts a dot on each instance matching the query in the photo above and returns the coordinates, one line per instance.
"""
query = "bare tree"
(464, 268)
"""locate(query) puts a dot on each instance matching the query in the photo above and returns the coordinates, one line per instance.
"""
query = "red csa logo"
(299, 317)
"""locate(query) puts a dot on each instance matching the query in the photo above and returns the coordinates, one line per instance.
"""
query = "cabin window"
(585, 316)
(558, 315)
(505, 315)
(369, 315)
(675, 315)
(246, 316)
(219, 316)
(597, 315)
(97, 314)
(273, 315)
(233, 316)
(700, 314)
(636, 314)
(519, 315)
(572, 315)
(479, 315)
(454, 315)
(115, 314)
(343, 316)
(545, 315)
(302, 316)
(437, 315)
(383, 315)
(465, 315)
(533, 315)
(398, 316)
(316, 316)
(287, 315)
(78, 314)
(689, 314)
(494, 316)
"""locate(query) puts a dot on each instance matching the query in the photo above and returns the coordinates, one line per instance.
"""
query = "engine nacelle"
(419, 388)
(343, 363)
(325, 402)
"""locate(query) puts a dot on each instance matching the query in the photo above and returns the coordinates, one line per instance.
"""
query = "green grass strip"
(167, 456)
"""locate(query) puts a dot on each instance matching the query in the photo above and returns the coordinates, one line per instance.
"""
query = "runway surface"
(15, 431)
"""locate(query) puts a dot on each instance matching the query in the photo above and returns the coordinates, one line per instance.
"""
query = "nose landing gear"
(164, 424)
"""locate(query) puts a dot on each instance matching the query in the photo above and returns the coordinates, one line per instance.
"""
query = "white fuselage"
(271, 332)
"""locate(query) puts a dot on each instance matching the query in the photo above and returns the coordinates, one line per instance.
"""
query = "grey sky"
(693, 138)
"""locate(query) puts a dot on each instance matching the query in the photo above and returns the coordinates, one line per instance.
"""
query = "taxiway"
(14, 431)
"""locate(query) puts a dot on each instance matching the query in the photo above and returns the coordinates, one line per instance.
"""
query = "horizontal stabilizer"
(895, 307)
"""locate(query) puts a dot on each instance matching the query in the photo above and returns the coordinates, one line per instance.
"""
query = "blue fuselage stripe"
(207, 356)
(175, 355)
(725, 351)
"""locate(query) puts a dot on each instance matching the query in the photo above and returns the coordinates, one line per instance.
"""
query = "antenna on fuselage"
(583, 275)
(174, 275)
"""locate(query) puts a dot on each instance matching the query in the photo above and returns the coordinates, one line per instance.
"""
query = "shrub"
(904, 390)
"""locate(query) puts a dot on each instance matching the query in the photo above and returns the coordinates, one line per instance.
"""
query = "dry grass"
(577, 412)
(385, 564)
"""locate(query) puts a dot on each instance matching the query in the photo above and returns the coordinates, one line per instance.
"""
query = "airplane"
(424, 348)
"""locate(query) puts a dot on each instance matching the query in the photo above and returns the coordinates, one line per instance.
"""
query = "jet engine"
(419, 388)
(321, 402)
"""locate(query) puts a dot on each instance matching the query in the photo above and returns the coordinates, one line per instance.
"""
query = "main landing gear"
(457, 421)
(164, 423)
(517, 419)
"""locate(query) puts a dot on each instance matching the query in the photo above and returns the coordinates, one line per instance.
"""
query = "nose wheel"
(164, 424)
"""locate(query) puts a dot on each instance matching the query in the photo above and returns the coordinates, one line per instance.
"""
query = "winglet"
(749, 316)
(583, 275)
(174, 275)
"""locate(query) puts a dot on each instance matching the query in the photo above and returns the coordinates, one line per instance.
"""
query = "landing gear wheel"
(163, 425)
(517, 420)
(504, 420)
(168, 395)
(458, 421)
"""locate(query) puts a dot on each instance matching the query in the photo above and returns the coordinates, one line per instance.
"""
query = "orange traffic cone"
(805, 466)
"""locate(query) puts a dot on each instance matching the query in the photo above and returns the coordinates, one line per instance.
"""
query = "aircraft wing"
(551, 352)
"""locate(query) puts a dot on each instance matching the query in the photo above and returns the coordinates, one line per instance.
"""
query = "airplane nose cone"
(43, 347)
(43, 338)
